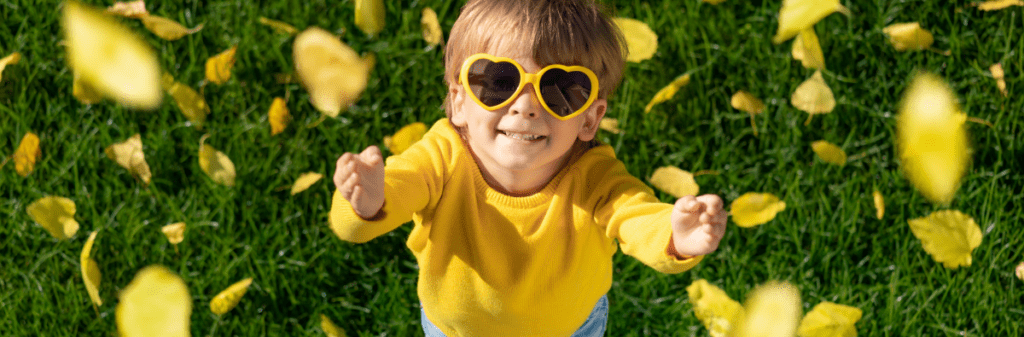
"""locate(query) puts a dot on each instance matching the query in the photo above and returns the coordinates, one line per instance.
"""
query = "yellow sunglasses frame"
(525, 78)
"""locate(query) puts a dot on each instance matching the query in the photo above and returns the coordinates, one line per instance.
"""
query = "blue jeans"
(593, 327)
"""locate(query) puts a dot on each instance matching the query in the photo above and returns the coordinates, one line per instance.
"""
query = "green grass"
(827, 242)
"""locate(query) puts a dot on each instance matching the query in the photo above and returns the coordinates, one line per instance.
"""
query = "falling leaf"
(84, 92)
(9, 59)
(155, 304)
(829, 153)
(405, 137)
(772, 310)
(331, 71)
(797, 15)
(131, 9)
(370, 16)
(879, 204)
(278, 116)
(167, 29)
(432, 32)
(190, 102)
(713, 307)
(828, 319)
(56, 215)
(129, 155)
(91, 271)
(908, 36)
(329, 328)
(998, 4)
(747, 102)
(228, 298)
(27, 154)
(641, 41)
(279, 26)
(674, 181)
(610, 125)
(931, 138)
(752, 209)
(174, 232)
(813, 96)
(1020, 271)
(714, 2)
(305, 181)
(949, 236)
(216, 164)
(668, 91)
(218, 67)
(110, 58)
(807, 49)
(997, 73)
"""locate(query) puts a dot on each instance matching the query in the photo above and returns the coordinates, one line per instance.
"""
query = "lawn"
(827, 242)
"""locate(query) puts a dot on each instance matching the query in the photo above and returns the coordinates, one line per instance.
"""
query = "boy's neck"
(522, 183)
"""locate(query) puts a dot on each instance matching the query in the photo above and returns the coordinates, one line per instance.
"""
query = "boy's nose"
(526, 103)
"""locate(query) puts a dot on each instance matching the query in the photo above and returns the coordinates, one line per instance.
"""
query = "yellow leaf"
(752, 209)
(999, 75)
(674, 181)
(130, 9)
(908, 36)
(90, 271)
(155, 304)
(190, 102)
(714, 2)
(84, 92)
(931, 138)
(949, 236)
(879, 204)
(167, 29)
(370, 16)
(747, 102)
(174, 232)
(405, 137)
(56, 215)
(228, 298)
(813, 96)
(829, 153)
(432, 32)
(279, 26)
(713, 307)
(331, 71)
(828, 319)
(218, 67)
(216, 165)
(1020, 271)
(999, 4)
(797, 15)
(641, 41)
(668, 91)
(110, 58)
(329, 328)
(305, 181)
(129, 155)
(772, 310)
(9, 59)
(278, 116)
(610, 125)
(807, 49)
(27, 154)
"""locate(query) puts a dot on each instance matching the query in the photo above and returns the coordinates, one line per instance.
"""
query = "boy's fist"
(698, 224)
(360, 179)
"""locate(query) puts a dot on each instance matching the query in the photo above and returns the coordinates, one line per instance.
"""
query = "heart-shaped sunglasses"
(493, 82)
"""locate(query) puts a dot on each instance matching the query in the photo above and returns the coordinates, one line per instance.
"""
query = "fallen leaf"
(1020, 271)
(931, 138)
(949, 236)
(713, 307)
(84, 92)
(998, 4)
(370, 16)
(797, 15)
(110, 58)
(218, 67)
(674, 181)
(879, 204)
(807, 49)
(828, 319)
(331, 71)
(91, 271)
(155, 304)
(216, 164)
(56, 215)
(829, 153)
(279, 26)
(9, 59)
(278, 116)
(174, 232)
(908, 36)
(130, 9)
(167, 29)
(813, 96)
(432, 32)
(668, 91)
(329, 328)
(129, 155)
(405, 137)
(771, 310)
(228, 298)
(190, 102)
(27, 154)
(752, 209)
(305, 181)
(999, 75)
(747, 102)
(641, 41)
(610, 125)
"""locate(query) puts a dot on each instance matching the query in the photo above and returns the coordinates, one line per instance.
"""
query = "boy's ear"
(457, 98)
(592, 119)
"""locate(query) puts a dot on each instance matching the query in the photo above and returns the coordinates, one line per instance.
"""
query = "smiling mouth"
(521, 136)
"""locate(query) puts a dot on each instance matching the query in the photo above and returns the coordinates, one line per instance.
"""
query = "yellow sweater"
(495, 265)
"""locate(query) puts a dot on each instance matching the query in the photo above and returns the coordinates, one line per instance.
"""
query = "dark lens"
(564, 92)
(493, 83)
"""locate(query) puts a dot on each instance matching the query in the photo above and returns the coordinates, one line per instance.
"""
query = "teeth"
(521, 136)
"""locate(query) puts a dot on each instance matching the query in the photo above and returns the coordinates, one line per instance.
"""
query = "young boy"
(516, 208)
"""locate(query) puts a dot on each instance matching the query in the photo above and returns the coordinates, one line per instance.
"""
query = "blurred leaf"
(331, 71)
(931, 138)
(130, 9)
(174, 232)
(190, 102)
(752, 209)
(84, 92)
(129, 155)
(999, 4)
(610, 125)
(278, 116)
(229, 298)
(772, 310)
(668, 91)
(1020, 271)
(713, 307)
(747, 102)
(879, 204)
(167, 29)
(641, 41)
(828, 319)
(807, 49)
(813, 96)
(999, 75)
(279, 26)
(674, 181)
(305, 181)
(329, 328)
(797, 15)
(56, 215)
(91, 271)
(949, 236)
(218, 67)
(908, 36)
(370, 16)
(9, 59)
(432, 32)
(829, 153)
(216, 165)
(155, 304)
(405, 137)
(27, 154)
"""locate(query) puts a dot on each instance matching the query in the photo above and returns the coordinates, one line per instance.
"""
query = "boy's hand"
(360, 178)
(698, 224)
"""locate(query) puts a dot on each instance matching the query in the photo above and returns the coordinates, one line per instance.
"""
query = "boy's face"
(499, 138)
